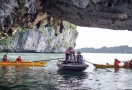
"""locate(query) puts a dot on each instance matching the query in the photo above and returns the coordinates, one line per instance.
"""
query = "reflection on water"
(116, 70)
(10, 76)
(68, 80)
(38, 78)
(50, 78)
(14, 77)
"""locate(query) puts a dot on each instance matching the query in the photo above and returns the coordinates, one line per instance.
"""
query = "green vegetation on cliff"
(22, 32)
(5, 42)
(70, 25)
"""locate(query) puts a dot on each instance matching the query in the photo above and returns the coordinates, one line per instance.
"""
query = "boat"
(71, 66)
(108, 66)
(23, 63)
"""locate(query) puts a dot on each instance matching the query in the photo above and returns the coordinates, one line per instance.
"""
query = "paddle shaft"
(48, 59)
(99, 66)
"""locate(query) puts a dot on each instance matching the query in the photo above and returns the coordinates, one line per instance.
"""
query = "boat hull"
(72, 66)
(108, 66)
(23, 63)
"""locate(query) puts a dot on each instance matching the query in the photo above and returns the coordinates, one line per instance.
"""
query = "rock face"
(111, 14)
(41, 40)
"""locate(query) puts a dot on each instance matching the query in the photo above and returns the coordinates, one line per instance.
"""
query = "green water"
(32, 56)
(50, 77)
(36, 78)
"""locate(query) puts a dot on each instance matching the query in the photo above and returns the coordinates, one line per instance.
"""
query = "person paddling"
(5, 59)
(18, 59)
(130, 63)
(116, 63)
(126, 63)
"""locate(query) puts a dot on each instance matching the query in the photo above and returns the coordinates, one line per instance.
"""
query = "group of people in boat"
(72, 58)
(5, 59)
(126, 63)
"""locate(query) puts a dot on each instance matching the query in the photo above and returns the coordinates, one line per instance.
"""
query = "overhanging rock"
(110, 14)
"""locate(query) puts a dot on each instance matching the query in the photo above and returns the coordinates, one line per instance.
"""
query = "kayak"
(23, 63)
(71, 66)
(108, 66)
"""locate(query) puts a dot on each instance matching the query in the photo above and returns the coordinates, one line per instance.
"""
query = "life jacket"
(4, 60)
(116, 63)
(18, 60)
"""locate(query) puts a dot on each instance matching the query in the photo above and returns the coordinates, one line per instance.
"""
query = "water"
(50, 77)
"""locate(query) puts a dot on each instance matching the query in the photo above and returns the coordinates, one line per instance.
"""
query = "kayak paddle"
(98, 66)
(48, 59)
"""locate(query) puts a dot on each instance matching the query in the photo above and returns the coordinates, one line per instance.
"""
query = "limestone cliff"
(41, 40)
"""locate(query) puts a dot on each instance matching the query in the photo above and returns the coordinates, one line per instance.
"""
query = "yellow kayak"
(108, 66)
(23, 63)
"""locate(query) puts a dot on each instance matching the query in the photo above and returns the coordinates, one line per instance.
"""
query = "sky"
(97, 37)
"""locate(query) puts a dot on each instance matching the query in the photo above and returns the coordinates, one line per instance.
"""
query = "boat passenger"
(126, 63)
(71, 57)
(107, 63)
(5, 59)
(116, 63)
(79, 58)
(130, 63)
(67, 53)
(18, 59)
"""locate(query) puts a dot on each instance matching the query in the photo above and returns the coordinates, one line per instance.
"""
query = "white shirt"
(71, 58)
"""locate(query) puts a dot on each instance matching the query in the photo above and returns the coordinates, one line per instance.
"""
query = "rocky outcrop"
(41, 40)
(111, 14)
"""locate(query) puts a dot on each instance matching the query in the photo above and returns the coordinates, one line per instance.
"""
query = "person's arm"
(7, 60)
(66, 51)
(16, 59)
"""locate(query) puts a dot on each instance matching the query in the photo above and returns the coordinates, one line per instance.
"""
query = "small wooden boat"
(108, 66)
(71, 66)
(23, 63)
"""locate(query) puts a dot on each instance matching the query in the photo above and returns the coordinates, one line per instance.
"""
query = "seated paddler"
(126, 63)
(79, 58)
(117, 62)
(130, 63)
(18, 59)
(5, 59)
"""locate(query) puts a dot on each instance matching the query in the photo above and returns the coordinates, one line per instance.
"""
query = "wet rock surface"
(111, 14)
(40, 40)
